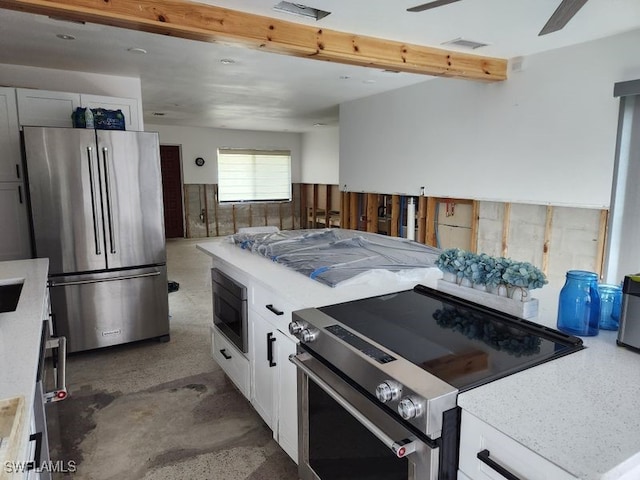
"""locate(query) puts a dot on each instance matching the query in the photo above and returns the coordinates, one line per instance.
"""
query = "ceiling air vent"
(301, 10)
(461, 42)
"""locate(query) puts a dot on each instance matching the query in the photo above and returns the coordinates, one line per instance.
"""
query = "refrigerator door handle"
(94, 204)
(100, 280)
(105, 152)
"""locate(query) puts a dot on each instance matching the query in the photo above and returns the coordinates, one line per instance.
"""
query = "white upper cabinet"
(10, 163)
(54, 109)
(43, 108)
(129, 107)
(15, 243)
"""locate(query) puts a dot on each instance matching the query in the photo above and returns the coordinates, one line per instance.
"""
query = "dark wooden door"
(172, 190)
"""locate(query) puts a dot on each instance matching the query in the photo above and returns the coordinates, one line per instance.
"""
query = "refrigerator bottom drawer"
(101, 310)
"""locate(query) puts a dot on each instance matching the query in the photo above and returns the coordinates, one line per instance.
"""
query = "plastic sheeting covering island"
(335, 256)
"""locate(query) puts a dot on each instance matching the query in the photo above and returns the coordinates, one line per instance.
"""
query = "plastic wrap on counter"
(333, 255)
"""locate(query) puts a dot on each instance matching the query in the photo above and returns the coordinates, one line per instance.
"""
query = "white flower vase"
(449, 277)
(480, 286)
(499, 290)
(520, 294)
(465, 282)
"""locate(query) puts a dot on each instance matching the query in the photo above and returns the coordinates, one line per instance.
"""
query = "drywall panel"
(545, 136)
(204, 142)
(320, 156)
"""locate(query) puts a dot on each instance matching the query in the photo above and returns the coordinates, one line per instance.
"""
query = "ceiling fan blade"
(565, 12)
(429, 5)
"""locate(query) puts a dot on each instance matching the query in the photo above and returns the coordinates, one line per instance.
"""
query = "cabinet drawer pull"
(274, 309)
(224, 354)
(483, 456)
(270, 340)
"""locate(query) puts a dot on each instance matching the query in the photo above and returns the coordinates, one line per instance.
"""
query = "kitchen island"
(20, 337)
(578, 416)
(264, 373)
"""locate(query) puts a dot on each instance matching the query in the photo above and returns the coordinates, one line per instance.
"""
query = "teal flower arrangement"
(524, 275)
(456, 261)
(481, 267)
(493, 272)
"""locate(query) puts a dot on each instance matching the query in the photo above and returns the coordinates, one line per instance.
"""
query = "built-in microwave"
(230, 309)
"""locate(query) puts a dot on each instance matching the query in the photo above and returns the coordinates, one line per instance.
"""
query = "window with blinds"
(253, 175)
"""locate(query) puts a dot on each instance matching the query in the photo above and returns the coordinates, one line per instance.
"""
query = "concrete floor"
(158, 411)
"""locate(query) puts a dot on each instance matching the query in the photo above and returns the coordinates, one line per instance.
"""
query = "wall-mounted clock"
(199, 161)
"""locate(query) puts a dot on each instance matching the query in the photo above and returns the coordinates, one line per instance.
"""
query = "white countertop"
(581, 411)
(303, 291)
(20, 333)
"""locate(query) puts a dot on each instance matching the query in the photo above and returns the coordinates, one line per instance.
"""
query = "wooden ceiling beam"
(197, 21)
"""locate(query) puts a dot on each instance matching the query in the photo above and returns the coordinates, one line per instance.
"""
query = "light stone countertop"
(581, 411)
(20, 335)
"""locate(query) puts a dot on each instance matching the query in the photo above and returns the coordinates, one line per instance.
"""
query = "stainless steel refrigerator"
(96, 211)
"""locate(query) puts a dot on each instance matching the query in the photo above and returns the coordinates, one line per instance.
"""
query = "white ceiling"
(186, 81)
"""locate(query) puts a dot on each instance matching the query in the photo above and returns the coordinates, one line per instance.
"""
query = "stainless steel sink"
(10, 291)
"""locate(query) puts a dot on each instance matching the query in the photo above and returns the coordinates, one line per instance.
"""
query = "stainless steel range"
(378, 380)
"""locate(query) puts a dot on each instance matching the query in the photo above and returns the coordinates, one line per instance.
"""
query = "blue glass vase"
(610, 305)
(579, 304)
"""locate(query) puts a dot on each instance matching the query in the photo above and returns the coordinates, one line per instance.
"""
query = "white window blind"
(253, 175)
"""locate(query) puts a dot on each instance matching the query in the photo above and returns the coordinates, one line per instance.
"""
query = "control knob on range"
(295, 327)
(388, 390)
(410, 407)
(308, 335)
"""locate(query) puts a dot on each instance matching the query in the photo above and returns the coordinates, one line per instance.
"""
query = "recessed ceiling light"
(65, 36)
(300, 10)
(344, 77)
(369, 81)
(136, 50)
(319, 124)
(227, 61)
(158, 114)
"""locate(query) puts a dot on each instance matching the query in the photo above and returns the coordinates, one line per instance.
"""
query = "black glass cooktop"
(463, 343)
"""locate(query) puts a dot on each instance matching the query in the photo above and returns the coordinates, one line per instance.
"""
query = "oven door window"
(341, 448)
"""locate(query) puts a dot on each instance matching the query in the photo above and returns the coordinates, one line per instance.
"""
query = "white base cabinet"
(231, 360)
(478, 437)
(273, 376)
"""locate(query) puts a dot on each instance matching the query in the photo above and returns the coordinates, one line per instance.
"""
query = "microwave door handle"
(107, 185)
(401, 448)
(94, 203)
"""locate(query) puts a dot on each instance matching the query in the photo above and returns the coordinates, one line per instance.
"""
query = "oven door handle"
(60, 392)
(401, 448)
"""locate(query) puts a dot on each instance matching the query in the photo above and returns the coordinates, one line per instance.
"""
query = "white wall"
(546, 135)
(69, 81)
(320, 156)
(204, 142)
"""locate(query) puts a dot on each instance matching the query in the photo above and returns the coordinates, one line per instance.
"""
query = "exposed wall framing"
(556, 239)
(205, 217)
